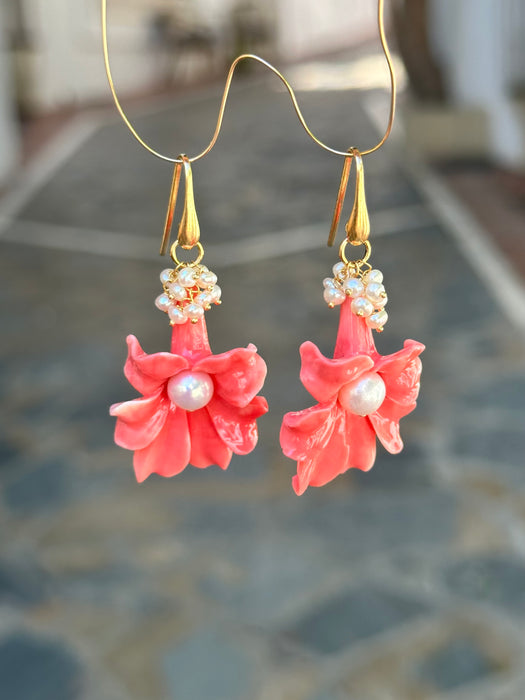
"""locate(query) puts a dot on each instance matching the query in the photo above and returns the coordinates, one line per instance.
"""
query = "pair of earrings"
(199, 408)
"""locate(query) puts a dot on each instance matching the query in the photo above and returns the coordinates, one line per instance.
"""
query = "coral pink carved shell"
(326, 439)
(164, 437)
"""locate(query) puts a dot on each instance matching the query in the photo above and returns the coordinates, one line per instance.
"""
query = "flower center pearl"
(363, 396)
(190, 390)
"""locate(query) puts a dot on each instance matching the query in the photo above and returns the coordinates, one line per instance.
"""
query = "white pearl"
(373, 276)
(215, 294)
(194, 311)
(186, 277)
(207, 279)
(376, 293)
(334, 296)
(329, 283)
(362, 307)
(163, 302)
(190, 390)
(203, 299)
(177, 291)
(377, 320)
(340, 270)
(363, 396)
(166, 276)
(353, 287)
(177, 316)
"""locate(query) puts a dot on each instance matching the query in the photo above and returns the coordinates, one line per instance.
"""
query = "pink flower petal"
(238, 374)
(236, 426)
(303, 431)
(206, 446)
(148, 372)
(169, 453)
(387, 431)
(323, 377)
(316, 438)
(400, 372)
(139, 421)
(362, 441)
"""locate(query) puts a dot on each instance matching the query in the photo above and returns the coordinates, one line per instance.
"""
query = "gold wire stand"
(358, 226)
(229, 78)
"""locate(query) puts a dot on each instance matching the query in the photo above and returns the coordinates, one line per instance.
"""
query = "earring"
(360, 393)
(196, 408)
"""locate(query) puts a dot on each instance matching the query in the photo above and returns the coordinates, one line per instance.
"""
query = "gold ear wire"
(189, 229)
(358, 225)
(171, 207)
(340, 197)
(125, 118)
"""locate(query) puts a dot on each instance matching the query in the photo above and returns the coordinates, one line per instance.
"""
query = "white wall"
(310, 27)
(65, 62)
(9, 137)
(481, 46)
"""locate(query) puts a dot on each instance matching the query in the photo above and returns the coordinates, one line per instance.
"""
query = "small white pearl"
(340, 270)
(363, 396)
(194, 311)
(190, 390)
(377, 320)
(373, 276)
(166, 276)
(163, 302)
(177, 291)
(362, 307)
(334, 296)
(203, 299)
(207, 279)
(353, 287)
(186, 277)
(376, 293)
(329, 283)
(177, 316)
(215, 294)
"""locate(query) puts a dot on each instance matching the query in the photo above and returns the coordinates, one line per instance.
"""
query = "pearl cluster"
(189, 290)
(365, 288)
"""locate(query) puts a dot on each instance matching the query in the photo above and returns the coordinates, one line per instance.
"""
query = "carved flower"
(196, 408)
(361, 395)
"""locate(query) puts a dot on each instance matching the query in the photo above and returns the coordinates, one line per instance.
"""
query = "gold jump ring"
(357, 263)
(173, 254)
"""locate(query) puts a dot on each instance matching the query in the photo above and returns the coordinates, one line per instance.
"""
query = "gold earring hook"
(384, 46)
(358, 225)
(175, 181)
(340, 197)
(189, 229)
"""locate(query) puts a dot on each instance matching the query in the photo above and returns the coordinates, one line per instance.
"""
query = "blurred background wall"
(452, 49)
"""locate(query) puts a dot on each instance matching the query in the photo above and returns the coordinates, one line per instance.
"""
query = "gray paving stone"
(353, 616)
(459, 663)
(501, 392)
(41, 488)
(367, 522)
(409, 469)
(21, 583)
(274, 572)
(222, 520)
(493, 444)
(497, 580)
(34, 668)
(209, 665)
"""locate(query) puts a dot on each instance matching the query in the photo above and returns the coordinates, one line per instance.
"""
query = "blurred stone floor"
(407, 583)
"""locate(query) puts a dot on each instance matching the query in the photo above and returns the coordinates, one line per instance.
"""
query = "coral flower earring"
(196, 408)
(361, 394)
